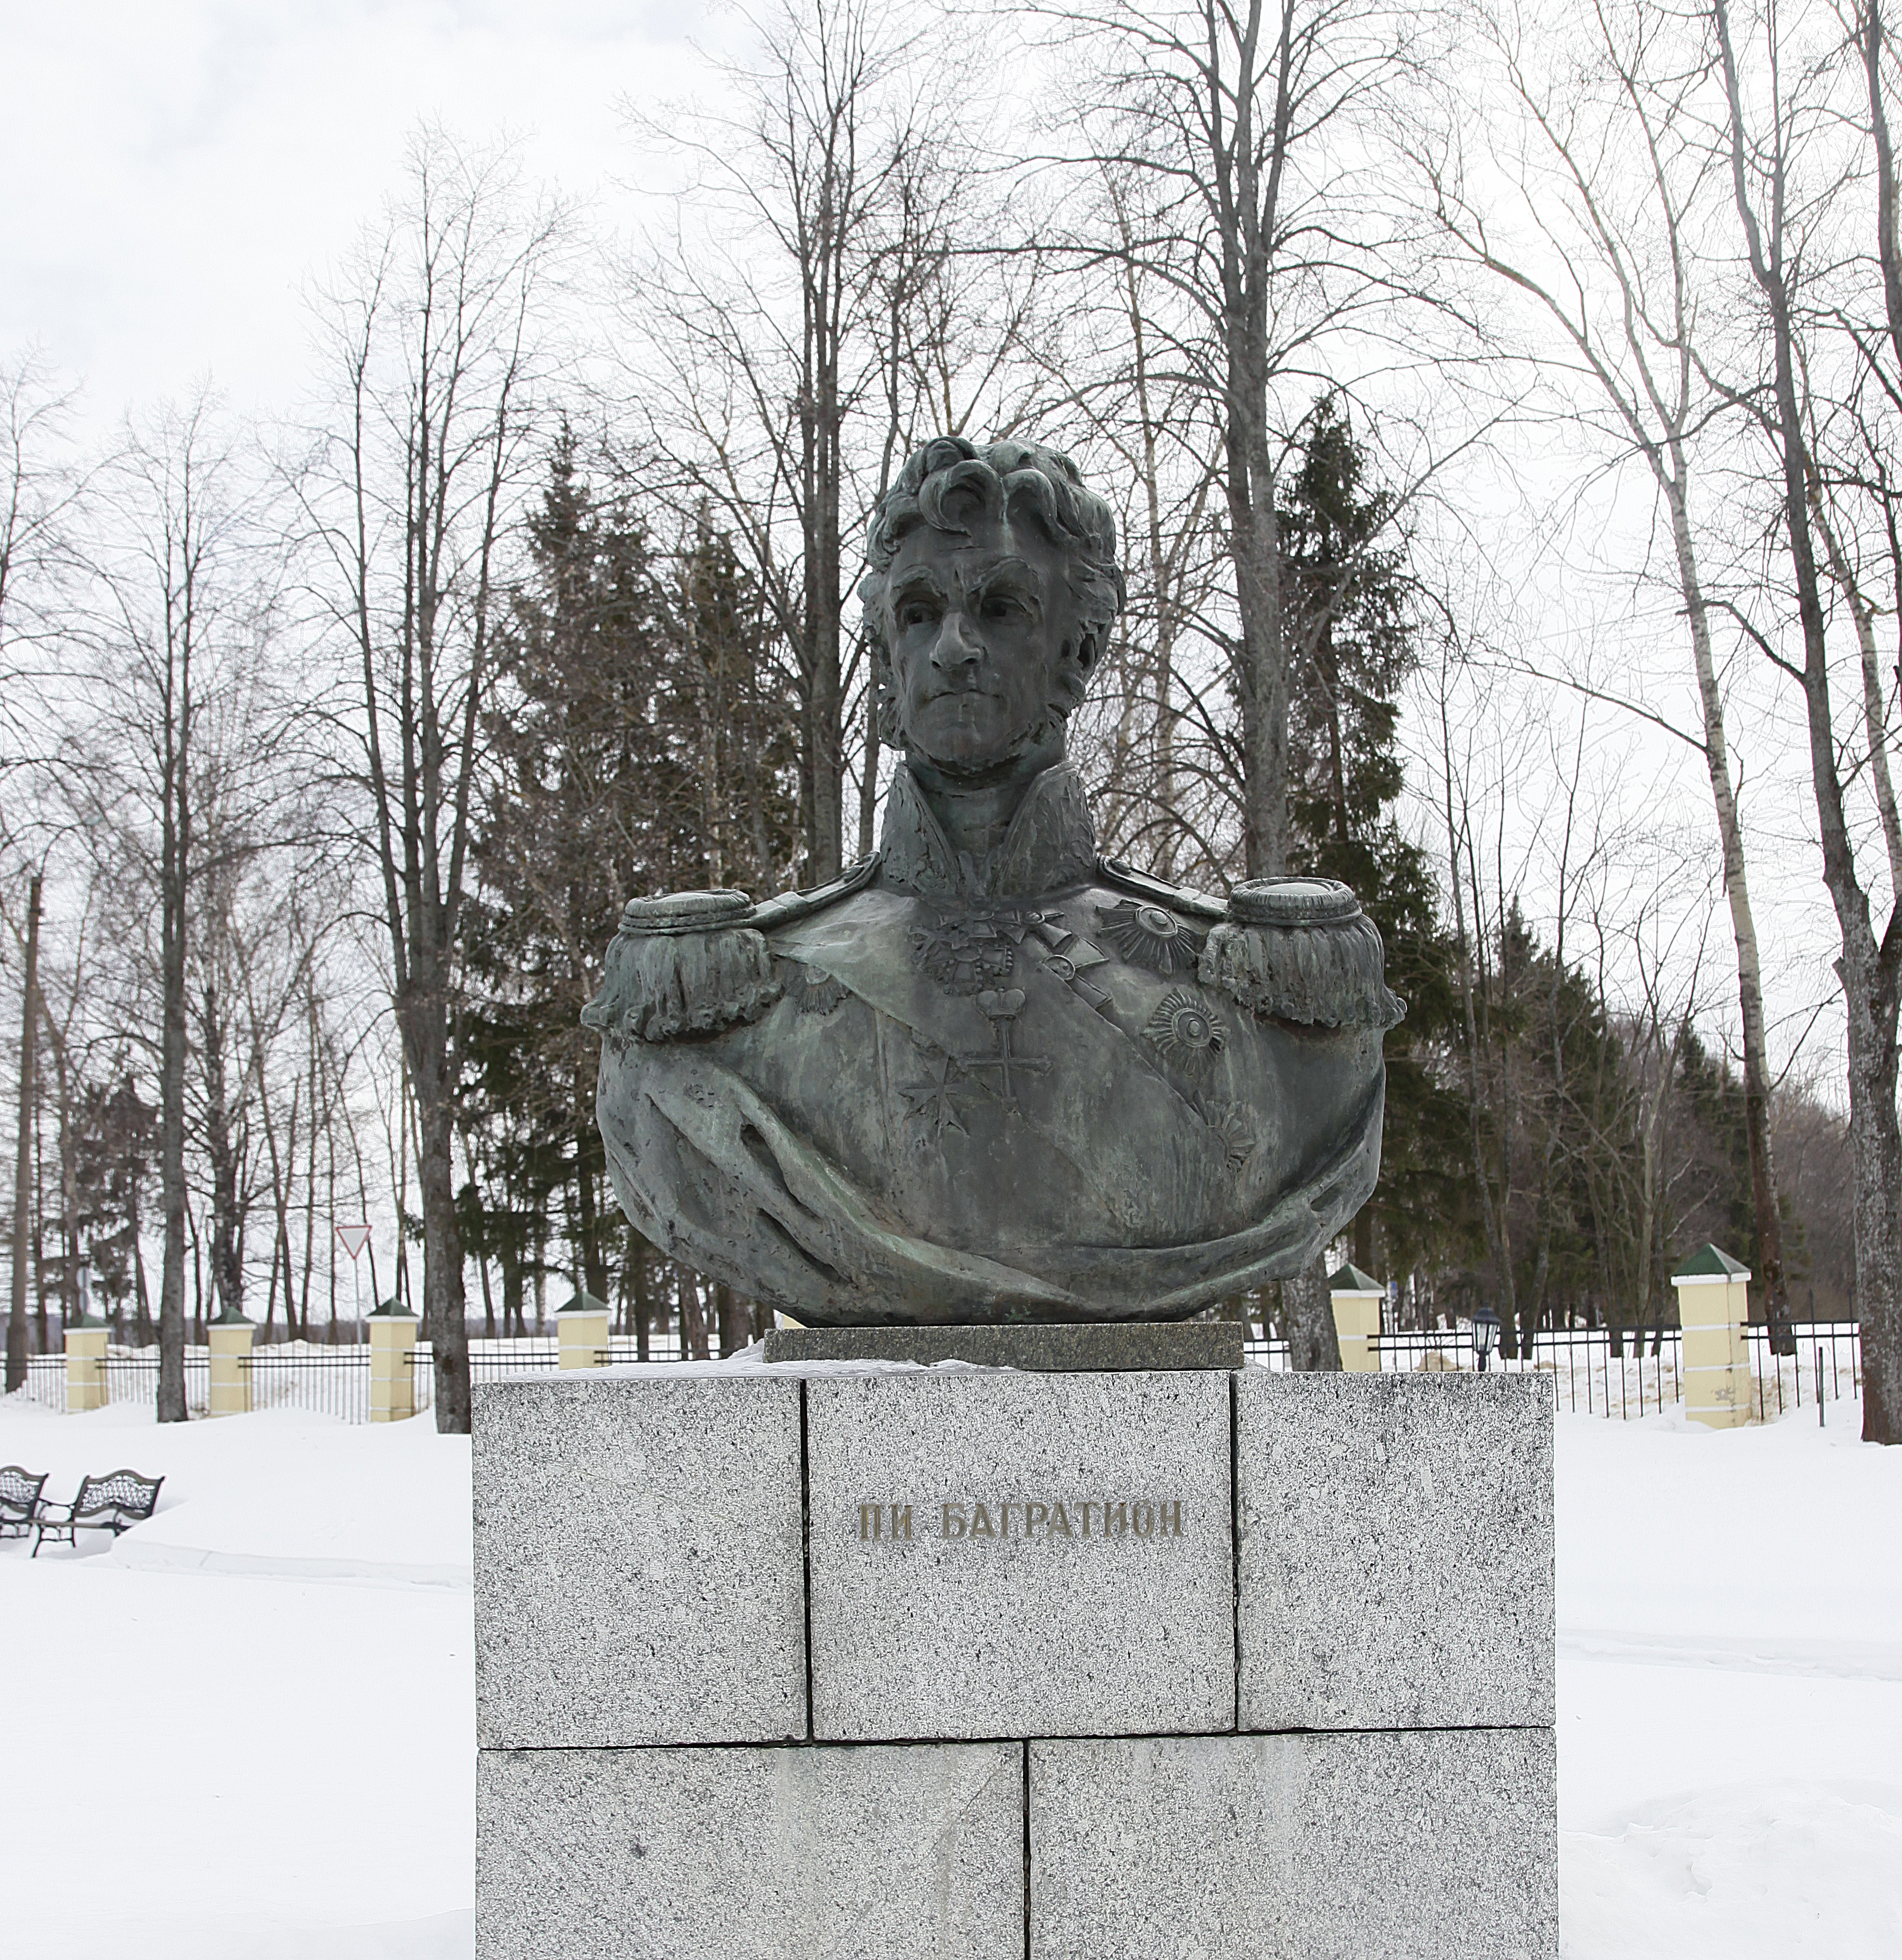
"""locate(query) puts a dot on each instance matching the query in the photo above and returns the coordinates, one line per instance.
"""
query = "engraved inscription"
(1025, 1520)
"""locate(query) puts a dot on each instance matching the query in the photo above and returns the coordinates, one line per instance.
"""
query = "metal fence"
(1645, 1379)
(1587, 1377)
(131, 1376)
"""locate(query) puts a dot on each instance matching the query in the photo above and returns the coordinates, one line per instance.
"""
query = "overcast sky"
(177, 170)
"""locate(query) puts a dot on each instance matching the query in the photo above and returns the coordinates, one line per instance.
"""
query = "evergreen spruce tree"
(641, 740)
(1348, 606)
(581, 813)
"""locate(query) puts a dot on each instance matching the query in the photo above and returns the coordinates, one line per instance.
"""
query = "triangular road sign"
(353, 1238)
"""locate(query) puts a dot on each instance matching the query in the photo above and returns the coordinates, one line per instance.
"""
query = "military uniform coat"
(1023, 1089)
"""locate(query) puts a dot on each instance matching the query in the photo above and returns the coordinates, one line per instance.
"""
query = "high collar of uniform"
(1051, 843)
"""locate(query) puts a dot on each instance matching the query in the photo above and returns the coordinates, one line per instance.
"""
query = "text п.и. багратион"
(1036, 1522)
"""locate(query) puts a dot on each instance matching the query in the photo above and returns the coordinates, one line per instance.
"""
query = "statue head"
(991, 587)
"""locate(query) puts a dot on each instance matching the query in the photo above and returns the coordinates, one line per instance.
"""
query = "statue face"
(983, 642)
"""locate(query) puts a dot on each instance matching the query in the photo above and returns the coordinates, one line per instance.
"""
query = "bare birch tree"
(828, 306)
(436, 340)
(172, 598)
(1621, 282)
(1779, 137)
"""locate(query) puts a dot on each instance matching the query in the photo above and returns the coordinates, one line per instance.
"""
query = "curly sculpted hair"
(949, 483)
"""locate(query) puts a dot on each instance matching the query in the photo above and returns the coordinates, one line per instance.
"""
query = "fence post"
(1357, 1297)
(581, 1332)
(85, 1342)
(1713, 1310)
(230, 1341)
(392, 1357)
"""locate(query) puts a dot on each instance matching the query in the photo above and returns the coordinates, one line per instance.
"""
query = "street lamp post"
(1485, 1335)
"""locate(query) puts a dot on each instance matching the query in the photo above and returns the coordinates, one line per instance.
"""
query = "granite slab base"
(1019, 1554)
(1398, 1846)
(1057, 1664)
(750, 1854)
(1395, 1550)
(1056, 1348)
(640, 1568)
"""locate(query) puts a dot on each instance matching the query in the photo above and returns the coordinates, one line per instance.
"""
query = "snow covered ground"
(245, 1731)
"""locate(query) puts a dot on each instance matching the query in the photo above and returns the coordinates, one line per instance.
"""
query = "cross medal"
(1001, 1005)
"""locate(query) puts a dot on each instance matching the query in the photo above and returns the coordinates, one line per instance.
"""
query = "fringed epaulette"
(694, 963)
(1300, 949)
(1178, 898)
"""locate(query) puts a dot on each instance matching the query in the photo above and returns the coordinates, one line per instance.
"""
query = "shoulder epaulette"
(1126, 877)
(789, 908)
(695, 963)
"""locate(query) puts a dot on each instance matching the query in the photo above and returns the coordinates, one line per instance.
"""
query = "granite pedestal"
(1059, 1347)
(838, 1658)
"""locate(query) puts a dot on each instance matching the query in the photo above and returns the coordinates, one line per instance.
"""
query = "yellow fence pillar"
(1713, 1309)
(86, 1368)
(1357, 1297)
(230, 1341)
(580, 1333)
(392, 1364)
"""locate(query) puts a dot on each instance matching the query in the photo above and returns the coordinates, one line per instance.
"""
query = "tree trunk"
(736, 1321)
(593, 1262)
(142, 1299)
(228, 1268)
(643, 1304)
(1743, 925)
(171, 1100)
(511, 1289)
(693, 1320)
(1254, 546)
(443, 1306)
(1494, 1215)
(22, 1159)
(1868, 970)
(1307, 1319)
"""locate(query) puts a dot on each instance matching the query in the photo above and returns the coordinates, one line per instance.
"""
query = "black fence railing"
(1645, 1380)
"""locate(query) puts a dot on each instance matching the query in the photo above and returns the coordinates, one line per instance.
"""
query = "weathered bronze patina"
(988, 1075)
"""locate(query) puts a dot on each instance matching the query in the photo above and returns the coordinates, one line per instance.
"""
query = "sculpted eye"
(1002, 606)
(917, 612)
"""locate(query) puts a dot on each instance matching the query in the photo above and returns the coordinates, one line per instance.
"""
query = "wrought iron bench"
(19, 1500)
(111, 1502)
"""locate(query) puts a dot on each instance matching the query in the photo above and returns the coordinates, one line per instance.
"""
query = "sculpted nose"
(956, 645)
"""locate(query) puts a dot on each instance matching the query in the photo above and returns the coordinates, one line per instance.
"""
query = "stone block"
(1399, 1846)
(908, 1853)
(638, 1567)
(1020, 1554)
(1396, 1550)
(1085, 1346)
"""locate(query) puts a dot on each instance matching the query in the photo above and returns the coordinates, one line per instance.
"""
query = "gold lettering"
(1086, 1508)
(981, 1524)
(1117, 1512)
(954, 1523)
(871, 1518)
(1034, 1515)
(1059, 1522)
(1172, 1518)
(1142, 1519)
(901, 1520)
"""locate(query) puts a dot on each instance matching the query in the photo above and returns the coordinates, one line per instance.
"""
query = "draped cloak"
(1020, 1089)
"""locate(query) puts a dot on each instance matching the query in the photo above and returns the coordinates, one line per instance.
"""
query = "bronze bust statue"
(987, 1075)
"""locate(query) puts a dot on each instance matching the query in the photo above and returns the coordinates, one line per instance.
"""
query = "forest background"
(1501, 407)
